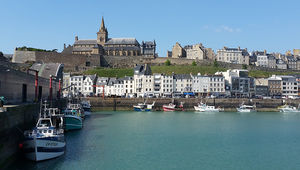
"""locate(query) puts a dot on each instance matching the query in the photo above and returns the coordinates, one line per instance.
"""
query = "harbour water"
(180, 140)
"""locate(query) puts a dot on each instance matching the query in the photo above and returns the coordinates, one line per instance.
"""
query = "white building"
(77, 82)
(208, 85)
(289, 86)
(100, 85)
(262, 60)
(128, 86)
(166, 85)
(89, 83)
(238, 83)
(148, 84)
(182, 83)
(119, 88)
(142, 72)
(233, 55)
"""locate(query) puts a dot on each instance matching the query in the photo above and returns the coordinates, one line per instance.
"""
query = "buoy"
(20, 145)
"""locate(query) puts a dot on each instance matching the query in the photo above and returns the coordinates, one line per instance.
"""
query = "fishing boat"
(172, 107)
(143, 107)
(289, 108)
(86, 106)
(169, 107)
(72, 119)
(246, 108)
(78, 108)
(45, 141)
(202, 107)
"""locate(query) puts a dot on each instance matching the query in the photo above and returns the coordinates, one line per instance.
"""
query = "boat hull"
(289, 111)
(245, 110)
(141, 110)
(168, 109)
(87, 111)
(72, 122)
(39, 149)
(199, 109)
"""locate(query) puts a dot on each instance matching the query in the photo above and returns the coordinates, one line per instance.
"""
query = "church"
(113, 46)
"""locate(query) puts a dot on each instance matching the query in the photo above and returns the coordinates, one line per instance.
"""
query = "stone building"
(274, 84)
(271, 61)
(196, 51)
(280, 64)
(178, 51)
(113, 46)
(291, 62)
(233, 55)
(296, 52)
(148, 48)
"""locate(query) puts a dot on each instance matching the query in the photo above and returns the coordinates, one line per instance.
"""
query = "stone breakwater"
(230, 104)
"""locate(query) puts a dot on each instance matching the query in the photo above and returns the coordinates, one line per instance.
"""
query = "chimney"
(265, 52)
(64, 46)
(239, 48)
(76, 38)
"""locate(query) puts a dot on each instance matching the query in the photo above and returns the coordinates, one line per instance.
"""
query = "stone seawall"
(13, 122)
(117, 104)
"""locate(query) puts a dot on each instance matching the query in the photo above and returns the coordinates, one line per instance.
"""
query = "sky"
(254, 24)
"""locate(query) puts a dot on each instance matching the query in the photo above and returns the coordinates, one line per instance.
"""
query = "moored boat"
(169, 107)
(72, 119)
(86, 106)
(288, 108)
(45, 141)
(202, 107)
(143, 107)
(246, 108)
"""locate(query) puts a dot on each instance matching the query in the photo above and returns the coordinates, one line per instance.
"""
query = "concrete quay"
(229, 104)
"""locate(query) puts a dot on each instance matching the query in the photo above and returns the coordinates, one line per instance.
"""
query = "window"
(87, 64)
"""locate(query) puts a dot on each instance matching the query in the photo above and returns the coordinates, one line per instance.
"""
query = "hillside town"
(66, 70)
(105, 51)
(144, 83)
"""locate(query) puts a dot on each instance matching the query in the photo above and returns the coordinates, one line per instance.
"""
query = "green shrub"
(167, 62)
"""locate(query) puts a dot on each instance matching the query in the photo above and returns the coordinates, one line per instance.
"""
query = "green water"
(180, 140)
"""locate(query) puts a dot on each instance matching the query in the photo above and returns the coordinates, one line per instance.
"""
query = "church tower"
(102, 34)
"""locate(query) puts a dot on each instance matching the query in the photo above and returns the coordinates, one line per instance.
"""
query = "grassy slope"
(117, 72)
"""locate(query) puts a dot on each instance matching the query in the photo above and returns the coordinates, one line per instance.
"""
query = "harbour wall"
(229, 104)
(13, 122)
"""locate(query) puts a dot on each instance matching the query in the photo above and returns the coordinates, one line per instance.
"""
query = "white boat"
(169, 107)
(288, 108)
(44, 141)
(202, 107)
(246, 108)
(86, 106)
(143, 107)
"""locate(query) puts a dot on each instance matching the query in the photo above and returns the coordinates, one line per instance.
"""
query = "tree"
(167, 62)
(244, 66)
(216, 64)
(194, 63)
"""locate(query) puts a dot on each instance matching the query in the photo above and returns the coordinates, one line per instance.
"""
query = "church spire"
(102, 25)
(102, 35)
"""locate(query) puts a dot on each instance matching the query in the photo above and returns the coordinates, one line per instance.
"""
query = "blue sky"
(256, 24)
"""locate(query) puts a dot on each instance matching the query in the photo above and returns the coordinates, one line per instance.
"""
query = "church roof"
(134, 48)
(82, 42)
(115, 41)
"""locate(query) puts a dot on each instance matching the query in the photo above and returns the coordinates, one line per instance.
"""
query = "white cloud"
(225, 28)
(222, 28)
